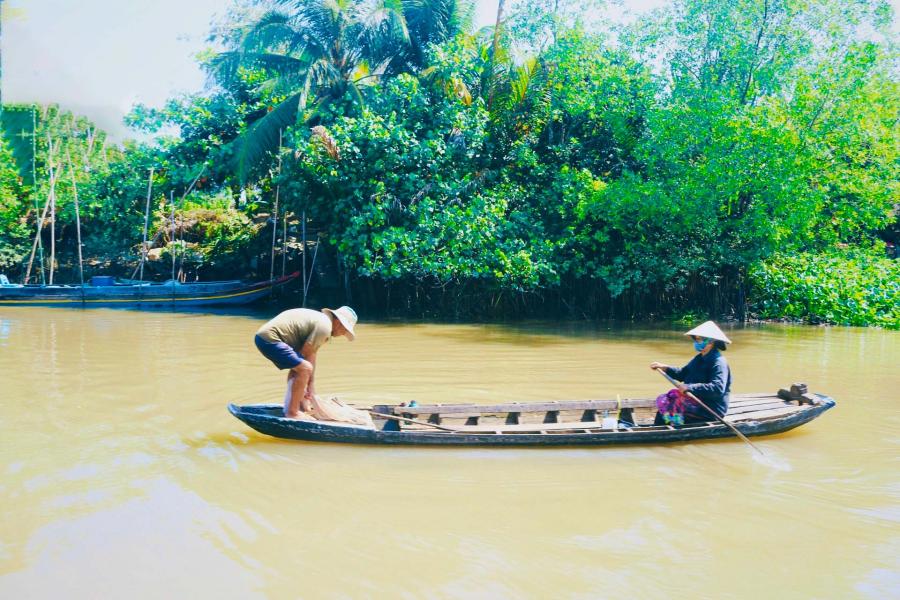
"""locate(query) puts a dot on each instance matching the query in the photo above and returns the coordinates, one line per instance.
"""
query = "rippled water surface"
(123, 475)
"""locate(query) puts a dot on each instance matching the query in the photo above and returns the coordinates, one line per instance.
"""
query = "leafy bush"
(845, 288)
(400, 193)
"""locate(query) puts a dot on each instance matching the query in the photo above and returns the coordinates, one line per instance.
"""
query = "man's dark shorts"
(281, 355)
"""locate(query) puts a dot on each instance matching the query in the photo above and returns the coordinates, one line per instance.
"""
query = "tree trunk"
(494, 53)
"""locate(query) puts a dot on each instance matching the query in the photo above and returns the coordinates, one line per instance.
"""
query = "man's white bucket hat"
(347, 317)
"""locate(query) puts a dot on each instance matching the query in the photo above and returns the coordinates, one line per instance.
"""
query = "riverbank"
(853, 287)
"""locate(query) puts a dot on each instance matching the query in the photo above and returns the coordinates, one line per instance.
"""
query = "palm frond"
(280, 65)
(262, 137)
(435, 21)
(386, 18)
(463, 17)
(321, 134)
(322, 19)
(523, 77)
(225, 66)
(274, 29)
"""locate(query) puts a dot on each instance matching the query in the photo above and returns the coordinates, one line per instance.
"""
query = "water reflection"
(102, 553)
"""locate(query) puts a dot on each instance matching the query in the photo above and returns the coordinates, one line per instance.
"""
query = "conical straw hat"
(710, 331)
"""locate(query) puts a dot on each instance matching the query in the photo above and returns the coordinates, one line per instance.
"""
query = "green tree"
(402, 192)
(14, 231)
(754, 140)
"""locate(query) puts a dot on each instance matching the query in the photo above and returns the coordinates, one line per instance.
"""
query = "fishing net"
(332, 409)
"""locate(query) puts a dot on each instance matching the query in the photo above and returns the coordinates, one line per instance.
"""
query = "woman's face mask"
(700, 345)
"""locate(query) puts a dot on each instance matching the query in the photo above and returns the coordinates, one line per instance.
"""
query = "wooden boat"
(140, 295)
(565, 423)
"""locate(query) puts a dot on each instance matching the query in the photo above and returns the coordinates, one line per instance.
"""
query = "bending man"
(291, 341)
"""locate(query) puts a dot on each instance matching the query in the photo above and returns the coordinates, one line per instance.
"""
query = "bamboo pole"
(52, 232)
(146, 225)
(180, 249)
(172, 239)
(284, 245)
(51, 198)
(77, 223)
(311, 269)
(193, 183)
(275, 213)
(40, 243)
(303, 246)
(708, 409)
(181, 201)
(37, 239)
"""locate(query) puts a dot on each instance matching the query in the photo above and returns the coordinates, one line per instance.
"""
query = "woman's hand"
(658, 366)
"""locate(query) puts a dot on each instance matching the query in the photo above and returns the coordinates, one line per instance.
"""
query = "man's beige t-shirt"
(297, 326)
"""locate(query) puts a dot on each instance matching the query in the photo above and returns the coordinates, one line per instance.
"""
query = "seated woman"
(706, 376)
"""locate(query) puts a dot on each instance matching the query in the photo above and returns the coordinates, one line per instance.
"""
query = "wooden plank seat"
(761, 408)
(737, 410)
(576, 426)
(530, 427)
(757, 401)
(588, 427)
(510, 415)
(766, 414)
(521, 407)
(741, 401)
(474, 410)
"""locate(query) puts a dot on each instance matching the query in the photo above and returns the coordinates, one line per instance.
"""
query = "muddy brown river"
(123, 475)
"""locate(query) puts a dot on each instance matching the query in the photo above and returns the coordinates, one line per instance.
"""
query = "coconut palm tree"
(309, 49)
(428, 22)
(315, 52)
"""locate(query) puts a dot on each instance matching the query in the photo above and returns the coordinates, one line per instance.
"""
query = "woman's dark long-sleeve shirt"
(707, 377)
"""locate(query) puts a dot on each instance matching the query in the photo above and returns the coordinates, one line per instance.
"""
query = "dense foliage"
(701, 159)
(14, 241)
(849, 288)
(111, 183)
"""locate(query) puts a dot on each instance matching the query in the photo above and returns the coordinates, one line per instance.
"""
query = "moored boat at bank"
(141, 294)
(564, 423)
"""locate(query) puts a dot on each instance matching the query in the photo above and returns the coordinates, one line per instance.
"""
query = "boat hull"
(147, 295)
(267, 419)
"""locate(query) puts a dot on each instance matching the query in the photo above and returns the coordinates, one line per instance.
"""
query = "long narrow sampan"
(567, 423)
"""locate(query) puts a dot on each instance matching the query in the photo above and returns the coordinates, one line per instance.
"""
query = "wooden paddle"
(408, 420)
(700, 402)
